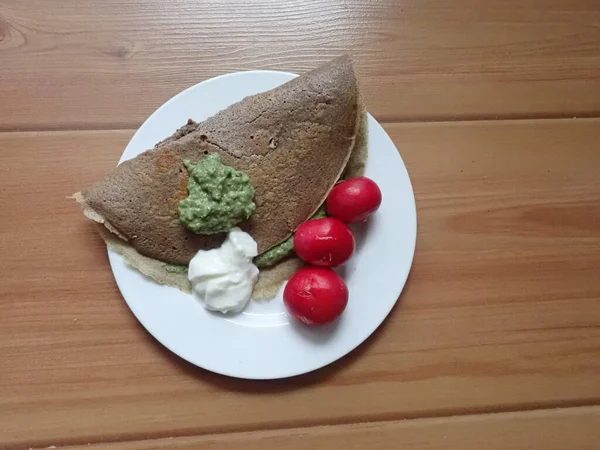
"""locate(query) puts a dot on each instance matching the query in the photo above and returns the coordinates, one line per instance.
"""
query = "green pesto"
(176, 268)
(321, 213)
(275, 254)
(219, 197)
(285, 248)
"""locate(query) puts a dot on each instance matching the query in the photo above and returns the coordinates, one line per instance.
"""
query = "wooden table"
(495, 343)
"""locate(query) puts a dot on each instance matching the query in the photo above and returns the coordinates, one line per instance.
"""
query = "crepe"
(270, 279)
(293, 142)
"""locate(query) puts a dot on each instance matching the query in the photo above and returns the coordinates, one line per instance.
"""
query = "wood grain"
(574, 428)
(501, 311)
(110, 63)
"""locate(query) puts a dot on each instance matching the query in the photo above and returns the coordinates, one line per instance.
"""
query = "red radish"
(354, 200)
(324, 242)
(315, 295)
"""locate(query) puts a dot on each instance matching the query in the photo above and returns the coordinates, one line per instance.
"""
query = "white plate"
(263, 342)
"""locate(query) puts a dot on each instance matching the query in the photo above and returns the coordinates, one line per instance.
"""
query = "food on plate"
(223, 278)
(275, 254)
(219, 197)
(287, 146)
(326, 242)
(316, 295)
(351, 200)
(354, 200)
(284, 249)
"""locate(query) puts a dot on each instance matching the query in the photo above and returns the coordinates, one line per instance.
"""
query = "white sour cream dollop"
(223, 278)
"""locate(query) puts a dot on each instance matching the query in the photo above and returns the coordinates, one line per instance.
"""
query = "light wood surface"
(501, 311)
(110, 63)
(547, 429)
(495, 342)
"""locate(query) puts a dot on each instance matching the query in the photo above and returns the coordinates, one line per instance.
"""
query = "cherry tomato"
(315, 295)
(354, 200)
(324, 242)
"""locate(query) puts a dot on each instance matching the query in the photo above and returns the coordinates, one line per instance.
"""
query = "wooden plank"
(501, 311)
(110, 63)
(573, 428)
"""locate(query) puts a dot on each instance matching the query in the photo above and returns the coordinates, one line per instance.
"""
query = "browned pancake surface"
(293, 141)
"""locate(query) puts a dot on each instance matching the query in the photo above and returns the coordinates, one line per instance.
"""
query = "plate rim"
(113, 256)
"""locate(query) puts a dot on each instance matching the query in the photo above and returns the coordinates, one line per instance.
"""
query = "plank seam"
(383, 123)
(308, 424)
(381, 119)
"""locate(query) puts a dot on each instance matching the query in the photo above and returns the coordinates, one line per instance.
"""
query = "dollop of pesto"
(285, 248)
(219, 197)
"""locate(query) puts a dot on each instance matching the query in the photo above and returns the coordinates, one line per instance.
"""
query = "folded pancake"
(270, 279)
(294, 143)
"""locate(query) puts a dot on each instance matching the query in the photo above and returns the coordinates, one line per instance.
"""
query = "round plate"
(264, 342)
